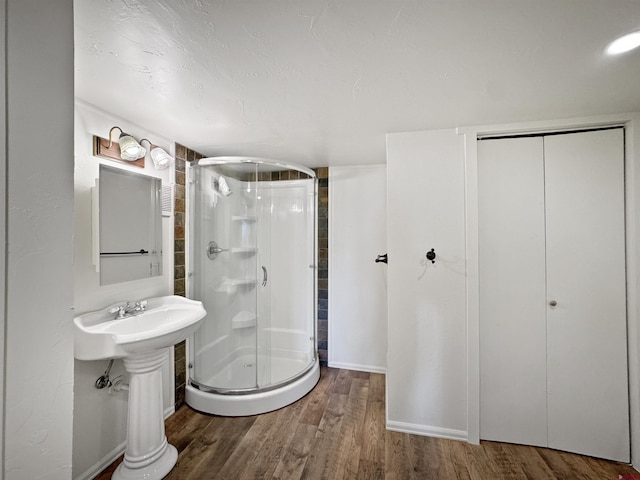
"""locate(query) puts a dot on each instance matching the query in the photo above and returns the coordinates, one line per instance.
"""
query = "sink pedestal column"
(148, 455)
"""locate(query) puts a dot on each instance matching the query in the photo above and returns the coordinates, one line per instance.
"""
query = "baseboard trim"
(427, 431)
(357, 367)
(104, 462)
(112, 456)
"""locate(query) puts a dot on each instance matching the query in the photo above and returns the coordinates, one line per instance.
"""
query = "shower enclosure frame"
(259, 398)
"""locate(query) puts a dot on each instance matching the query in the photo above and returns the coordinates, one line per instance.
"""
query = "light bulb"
(161, 159)
(624, 44)
(130, 149)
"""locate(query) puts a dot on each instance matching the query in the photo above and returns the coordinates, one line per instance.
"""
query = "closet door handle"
(553, 303)
(264, 276)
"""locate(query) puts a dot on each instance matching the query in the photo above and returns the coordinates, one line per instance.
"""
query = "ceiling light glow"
(624, 43)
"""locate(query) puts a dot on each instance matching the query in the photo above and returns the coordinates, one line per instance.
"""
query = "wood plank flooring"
(338, 432)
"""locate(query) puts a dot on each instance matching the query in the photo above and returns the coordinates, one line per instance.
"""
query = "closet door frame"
(631, 123)
(551, 213)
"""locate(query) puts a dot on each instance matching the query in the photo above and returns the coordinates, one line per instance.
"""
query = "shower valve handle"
(213, 250)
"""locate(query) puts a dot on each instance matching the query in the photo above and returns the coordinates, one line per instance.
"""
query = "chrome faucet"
(129, 310)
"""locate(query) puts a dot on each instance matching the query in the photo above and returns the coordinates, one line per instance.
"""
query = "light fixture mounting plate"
(101, 149)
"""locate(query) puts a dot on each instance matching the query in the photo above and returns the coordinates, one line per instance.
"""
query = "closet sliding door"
(552, 292)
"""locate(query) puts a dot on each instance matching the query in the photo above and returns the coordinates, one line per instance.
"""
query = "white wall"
(432, 198)
(358, 285)
(3, 219)
(38, 293)
(426, 362)
(99, 426)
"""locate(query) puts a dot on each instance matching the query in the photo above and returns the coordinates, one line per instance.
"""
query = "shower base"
(245, 404)
(241, 370)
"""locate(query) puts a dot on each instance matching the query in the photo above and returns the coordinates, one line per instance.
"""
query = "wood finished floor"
(337, 432)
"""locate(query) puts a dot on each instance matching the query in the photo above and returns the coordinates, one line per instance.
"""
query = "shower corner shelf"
(244, 218)
(243, 281)
(229, 285)
(244, 250)
(244, 319)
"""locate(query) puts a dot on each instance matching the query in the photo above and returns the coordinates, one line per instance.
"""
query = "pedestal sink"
(142, 340)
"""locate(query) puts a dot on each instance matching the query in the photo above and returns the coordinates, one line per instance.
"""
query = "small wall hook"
(431, 255)
(382, 258)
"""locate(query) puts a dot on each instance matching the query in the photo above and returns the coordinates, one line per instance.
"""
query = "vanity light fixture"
(625, 43)
(161, 159)
(130, 149)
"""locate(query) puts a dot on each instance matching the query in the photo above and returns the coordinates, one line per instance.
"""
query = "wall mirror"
(129, 226)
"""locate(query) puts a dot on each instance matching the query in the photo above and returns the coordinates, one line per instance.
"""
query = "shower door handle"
(264, 276)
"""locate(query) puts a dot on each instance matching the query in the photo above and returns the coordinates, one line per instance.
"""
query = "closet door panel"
(512, 291)
(587, 356)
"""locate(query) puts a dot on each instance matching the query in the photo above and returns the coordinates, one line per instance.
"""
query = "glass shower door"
(286, 301)
(265, 276)
(224, 276)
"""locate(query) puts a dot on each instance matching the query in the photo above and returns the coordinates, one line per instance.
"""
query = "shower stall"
(251, 260)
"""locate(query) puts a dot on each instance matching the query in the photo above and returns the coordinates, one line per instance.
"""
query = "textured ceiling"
(320, 82)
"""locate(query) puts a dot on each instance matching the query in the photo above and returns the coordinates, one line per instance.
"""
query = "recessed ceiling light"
(624, 43)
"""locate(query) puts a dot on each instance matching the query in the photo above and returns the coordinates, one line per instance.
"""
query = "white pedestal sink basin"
(142, 341)
(165, 322)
